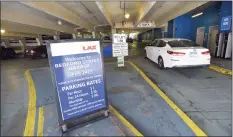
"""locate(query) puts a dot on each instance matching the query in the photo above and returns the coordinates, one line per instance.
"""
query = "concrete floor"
(138, 103)
(46, 97)
(14, 94)
(203, 94)
(135, 99)
(224, 63)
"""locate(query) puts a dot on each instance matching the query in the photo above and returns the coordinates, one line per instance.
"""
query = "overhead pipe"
(101, 25)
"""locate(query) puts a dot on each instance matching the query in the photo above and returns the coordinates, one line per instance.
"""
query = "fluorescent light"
(122, 31)
(127, 15)
(198, 14)
(59, 22)
(2, 31)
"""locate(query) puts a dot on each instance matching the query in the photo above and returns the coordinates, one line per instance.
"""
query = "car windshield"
(182, 43)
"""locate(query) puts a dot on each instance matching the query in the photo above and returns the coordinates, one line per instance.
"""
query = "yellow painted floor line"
(186, 119)
(31, 113)
(123, 120)
(40, 127)
(221, 70)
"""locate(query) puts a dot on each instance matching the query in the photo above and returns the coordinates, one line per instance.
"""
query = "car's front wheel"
(160, 63)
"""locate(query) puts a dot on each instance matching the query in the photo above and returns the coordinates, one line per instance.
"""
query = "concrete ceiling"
(116, 10)
(30, 18)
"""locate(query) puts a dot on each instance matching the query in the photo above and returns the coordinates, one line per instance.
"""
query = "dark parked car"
(37, 52)
(106, 38)
(129, 40)
(7, 53)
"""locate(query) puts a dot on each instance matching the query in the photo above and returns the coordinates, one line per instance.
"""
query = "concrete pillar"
(113, 30)
(6, 43)
(152, 34)
(56, 36)
(23, 45)
(93, 34)
(78, 35)
(74, 36)
(39, 40)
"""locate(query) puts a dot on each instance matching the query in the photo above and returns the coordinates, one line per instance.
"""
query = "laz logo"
(89, 48)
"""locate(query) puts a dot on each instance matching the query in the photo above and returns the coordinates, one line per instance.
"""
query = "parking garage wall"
(226, 10)
(170, 29)
(186, 26)
(181, 31)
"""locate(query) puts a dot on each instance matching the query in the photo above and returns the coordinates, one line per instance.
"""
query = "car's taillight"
(205, 52)
(32, 51)
(175, 53)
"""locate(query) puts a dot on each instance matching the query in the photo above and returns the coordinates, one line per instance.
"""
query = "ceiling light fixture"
(127, 15)
(59, 22)
(2, 31)
(198, 14)
(122, 31)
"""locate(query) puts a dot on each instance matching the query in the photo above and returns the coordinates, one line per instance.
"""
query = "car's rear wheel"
(43, 55)
(160, 63)
(206, 66)
(145, 56)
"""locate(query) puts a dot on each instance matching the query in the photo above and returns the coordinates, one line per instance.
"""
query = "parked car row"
(36, 52)
(129, 40)
(7, 53)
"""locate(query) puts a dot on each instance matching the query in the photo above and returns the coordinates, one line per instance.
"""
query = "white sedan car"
(171, 52)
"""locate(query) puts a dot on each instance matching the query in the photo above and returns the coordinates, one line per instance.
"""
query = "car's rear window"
(182, 43)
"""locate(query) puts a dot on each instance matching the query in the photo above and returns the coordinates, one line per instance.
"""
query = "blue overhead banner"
(226, 23)
(78, 74)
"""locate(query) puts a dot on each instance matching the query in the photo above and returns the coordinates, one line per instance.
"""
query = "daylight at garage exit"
(116, 68)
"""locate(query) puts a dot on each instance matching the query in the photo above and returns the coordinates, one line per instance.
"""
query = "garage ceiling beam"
(182, 8)
(59, 11)
(21, 28)
(104, 11)
(9, 38)
(29, 19)
(144, 10)
(16, 34)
